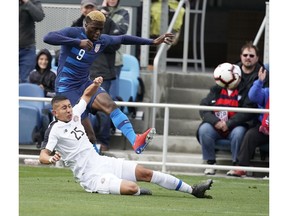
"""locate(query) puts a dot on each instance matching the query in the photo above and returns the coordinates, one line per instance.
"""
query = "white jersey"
(71, 141)
(94, 172)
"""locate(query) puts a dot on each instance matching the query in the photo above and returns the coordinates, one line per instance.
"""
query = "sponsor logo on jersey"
(102, 180)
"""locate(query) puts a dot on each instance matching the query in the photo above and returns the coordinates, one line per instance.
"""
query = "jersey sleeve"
(66, 36)
(50, 138)
(128, 40)
(80, 107)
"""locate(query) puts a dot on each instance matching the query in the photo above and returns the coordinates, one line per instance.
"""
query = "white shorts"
(104, 174)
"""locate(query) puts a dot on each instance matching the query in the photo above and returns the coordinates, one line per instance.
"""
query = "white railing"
(264, 25)
(167, 108)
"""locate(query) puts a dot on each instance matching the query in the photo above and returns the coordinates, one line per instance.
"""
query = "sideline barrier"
(167, 108)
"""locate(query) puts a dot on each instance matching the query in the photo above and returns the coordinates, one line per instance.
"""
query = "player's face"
(94, 30)
(249, 58)
(63, 111)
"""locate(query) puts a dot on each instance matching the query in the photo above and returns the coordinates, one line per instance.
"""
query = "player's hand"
(167, 38)
(56, 157)
(98, 81)
(86, 44)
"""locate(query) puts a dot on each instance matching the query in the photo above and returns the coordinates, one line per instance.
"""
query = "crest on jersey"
(97, 47)
(102, 180)
(76, 118)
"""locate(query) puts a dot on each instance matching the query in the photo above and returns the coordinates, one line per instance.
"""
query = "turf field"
(53, 191)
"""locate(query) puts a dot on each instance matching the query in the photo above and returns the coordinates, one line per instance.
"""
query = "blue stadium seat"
(29, 124)
(31, 90)
(44, 116)
(128, 80)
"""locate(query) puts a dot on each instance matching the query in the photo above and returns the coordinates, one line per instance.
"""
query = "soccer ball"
(227, 75)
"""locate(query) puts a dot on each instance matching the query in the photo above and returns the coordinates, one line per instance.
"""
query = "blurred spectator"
(250, 65)
(156, 7)
(155, 27)
(42, 74)
(258, 135)
(222, 126)
(86, 7)
(30, 11)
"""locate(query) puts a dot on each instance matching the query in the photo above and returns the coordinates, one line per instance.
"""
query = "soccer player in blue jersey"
(79, 48)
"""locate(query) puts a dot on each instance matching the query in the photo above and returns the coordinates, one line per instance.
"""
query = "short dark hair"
(250, 45)
(58, 98)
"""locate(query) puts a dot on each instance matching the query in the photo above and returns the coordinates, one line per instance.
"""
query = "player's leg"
(110, 184)
(105, 175)
(172, 183)
(164, 180)
(102, 101)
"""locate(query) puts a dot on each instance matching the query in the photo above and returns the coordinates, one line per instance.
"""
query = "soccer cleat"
(198, 190)
(145, 191)
(237, 173)
(142, 140)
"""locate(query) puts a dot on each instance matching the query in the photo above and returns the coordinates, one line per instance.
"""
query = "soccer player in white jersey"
(97, 173)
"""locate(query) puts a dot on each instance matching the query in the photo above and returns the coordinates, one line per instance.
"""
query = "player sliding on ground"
(96, 173)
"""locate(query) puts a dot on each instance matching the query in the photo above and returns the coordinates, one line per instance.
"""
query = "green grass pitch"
(50, 191)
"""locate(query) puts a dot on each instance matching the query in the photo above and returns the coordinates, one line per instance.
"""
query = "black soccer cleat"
(145, 191)
(198, 190)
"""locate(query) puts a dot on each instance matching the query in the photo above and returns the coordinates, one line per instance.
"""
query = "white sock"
(138, 192)
(170, 182)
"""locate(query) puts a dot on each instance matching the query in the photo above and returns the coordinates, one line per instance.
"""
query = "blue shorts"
(75, 95)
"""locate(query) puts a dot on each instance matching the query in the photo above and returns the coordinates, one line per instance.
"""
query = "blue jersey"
(74, 62)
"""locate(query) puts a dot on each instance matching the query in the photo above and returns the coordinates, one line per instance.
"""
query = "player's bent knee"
(143, 174)
(128, 188)
(108, 184)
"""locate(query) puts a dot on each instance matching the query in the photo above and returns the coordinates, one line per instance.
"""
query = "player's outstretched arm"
(66, 36)
(91, 90)
(167, 38)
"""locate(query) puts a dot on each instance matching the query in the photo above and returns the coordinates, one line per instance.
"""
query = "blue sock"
(121, 122)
